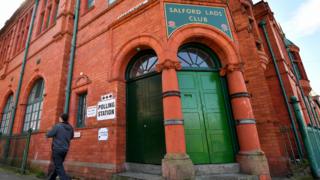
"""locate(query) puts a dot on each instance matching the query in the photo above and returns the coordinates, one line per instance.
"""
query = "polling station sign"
(106, 109)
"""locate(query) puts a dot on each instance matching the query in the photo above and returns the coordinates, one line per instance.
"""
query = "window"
(295, 64)
(48, 14)
(192, 57)
(6, 115)
(41, 21)
(111, 1)
(90, 3)
(48, 17)
(144, 64)
(34, 107)
(82, 106)
(56, 10)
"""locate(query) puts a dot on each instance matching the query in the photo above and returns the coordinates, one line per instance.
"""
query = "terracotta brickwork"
(109, 35)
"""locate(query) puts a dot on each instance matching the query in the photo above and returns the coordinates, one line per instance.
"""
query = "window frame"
(90, 4)
(6, 115)
(213, 59)
(111, 3)
(136, 59)
(81, 109)
(34, 107)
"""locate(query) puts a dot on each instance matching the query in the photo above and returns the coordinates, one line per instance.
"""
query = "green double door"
(145, 129)
(207, 132)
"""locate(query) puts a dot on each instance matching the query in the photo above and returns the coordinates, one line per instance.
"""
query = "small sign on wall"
(91, 111)
(103, 134)
(76, 134)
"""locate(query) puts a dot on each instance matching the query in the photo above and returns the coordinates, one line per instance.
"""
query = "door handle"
(188, 95)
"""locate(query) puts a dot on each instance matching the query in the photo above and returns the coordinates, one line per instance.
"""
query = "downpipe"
(72, 57)
(263, 24)
(23, 66)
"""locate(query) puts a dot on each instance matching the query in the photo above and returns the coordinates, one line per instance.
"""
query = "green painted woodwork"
(208, 135)
(178, 15)
(145, 129)
(311, 137)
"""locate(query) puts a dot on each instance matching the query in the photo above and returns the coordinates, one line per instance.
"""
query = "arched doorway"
(145, 129)
(207, 117)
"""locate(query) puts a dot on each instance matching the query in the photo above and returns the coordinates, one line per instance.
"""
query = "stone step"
(212, 169)
(227, 177)
(143, 168)
(144, 176)
(136, 176)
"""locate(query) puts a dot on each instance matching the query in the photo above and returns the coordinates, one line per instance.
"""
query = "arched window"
(143, 65)
(34, 107)
(192, 57)
(6, 116)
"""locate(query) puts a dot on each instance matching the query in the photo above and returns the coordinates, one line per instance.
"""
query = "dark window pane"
(194, 58)
(90, 3)
(82, 106)
(5, 120)
(34, 106)
(144, 64)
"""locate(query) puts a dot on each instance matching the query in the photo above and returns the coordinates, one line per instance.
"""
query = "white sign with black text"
(103, 134)
(106, 109)
(91, 111)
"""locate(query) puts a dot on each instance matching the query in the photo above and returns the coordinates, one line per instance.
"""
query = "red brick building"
(172, 83)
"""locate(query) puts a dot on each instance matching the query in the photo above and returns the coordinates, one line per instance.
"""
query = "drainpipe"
(262, 24)
(312, 114)
(72, 56)
(304, 133)
(23, 66)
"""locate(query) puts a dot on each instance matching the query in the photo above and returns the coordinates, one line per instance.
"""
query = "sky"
(300, 20)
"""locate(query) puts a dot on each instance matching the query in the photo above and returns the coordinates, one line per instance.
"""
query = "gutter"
(263, 24)
(72, 57)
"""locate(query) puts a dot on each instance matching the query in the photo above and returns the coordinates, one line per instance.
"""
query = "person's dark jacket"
(61, 133)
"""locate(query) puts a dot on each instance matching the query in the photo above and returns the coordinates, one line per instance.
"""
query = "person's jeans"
(58, 157)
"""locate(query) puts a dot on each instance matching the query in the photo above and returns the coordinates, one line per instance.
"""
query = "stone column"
(251, 158)
(176, 163)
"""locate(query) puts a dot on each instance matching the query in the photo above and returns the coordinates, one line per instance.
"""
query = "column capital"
(168, 64)
(230, 68)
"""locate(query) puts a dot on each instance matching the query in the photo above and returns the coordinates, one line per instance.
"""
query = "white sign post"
(106, 109)
(103, 134)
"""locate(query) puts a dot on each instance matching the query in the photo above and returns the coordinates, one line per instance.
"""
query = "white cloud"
(305, 20)
(7, 9)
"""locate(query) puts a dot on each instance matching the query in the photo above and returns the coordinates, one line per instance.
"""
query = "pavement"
(10, 174)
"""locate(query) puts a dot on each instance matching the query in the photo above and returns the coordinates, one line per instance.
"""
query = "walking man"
(61, 133)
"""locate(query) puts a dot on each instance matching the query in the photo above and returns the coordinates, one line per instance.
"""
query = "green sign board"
(178, 15)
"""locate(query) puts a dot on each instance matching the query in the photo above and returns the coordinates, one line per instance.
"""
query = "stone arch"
(29, 87)
(128, 50)
(24, 98)
(4, 100)
(221, 44)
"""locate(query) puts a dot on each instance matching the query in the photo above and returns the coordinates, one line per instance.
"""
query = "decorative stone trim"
(168, 64)
(240, 95)
(81, 81)
(245, 121)
(171, 93)
(171, 122)
(230, 68)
